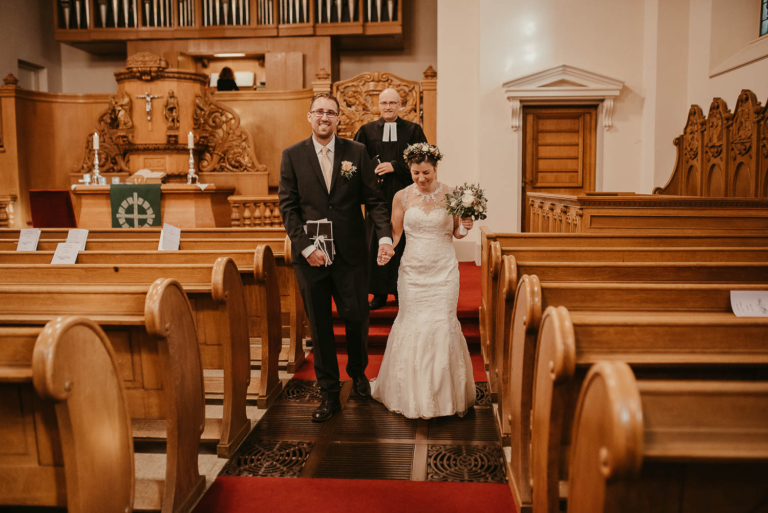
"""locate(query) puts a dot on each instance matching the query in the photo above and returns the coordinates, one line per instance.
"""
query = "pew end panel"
(554, 366)
(82, 449)
(507, 290)
(168, 318)
(265, 274)
(227, 290)
(494, 268)
(526, 318)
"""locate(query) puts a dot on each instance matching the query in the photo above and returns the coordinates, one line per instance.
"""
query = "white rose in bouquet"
(468, 199)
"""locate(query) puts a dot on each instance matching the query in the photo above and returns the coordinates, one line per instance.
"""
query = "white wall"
(458, 99)
(26, 33)
(419, 41)
(701, 87)
(516, 38)
(85, 73)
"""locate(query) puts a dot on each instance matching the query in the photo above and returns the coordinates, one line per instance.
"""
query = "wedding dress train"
(426, 370)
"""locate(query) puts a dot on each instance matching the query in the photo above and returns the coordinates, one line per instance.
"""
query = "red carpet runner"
(282, 495)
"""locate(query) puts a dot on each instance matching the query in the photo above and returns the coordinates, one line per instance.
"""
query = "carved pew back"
(723, 154)
(153, 334)
(652, 445)
(66, 428)
(154, 233)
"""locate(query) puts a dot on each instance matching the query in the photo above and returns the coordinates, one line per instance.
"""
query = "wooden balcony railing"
(96, 20)
(255, 211)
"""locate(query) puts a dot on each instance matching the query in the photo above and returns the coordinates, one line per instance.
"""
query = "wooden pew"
(677, 342)
(493, 246)
(66, 430)
(154, 233)
(216, 295)
(294, 319)
(519, 331)
(153, 334)
(677, 265)
(94, 244)
(668, 445)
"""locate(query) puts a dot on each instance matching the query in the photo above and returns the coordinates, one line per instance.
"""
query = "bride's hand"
(467, 223)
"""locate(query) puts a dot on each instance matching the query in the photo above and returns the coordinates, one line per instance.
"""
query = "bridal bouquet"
(467, 200)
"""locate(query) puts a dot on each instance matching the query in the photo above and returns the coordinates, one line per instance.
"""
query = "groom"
(312, 188)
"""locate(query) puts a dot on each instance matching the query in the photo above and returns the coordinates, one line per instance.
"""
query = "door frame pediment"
(561, 85)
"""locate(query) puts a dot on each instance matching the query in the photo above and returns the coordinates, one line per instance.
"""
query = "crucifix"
(148, 97)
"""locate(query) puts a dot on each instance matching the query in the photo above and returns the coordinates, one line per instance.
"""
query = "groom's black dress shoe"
(326, 410)
(361, 386)
(378, 301)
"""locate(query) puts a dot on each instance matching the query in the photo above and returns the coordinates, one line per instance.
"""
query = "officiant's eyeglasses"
(389, 104)
(330, 113)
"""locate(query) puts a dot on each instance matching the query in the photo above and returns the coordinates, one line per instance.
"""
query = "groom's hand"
(316, 259)
(386, 252)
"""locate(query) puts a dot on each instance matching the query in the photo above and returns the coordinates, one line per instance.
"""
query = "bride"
(426, 370)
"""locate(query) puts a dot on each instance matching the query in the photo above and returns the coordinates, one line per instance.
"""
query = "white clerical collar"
(390, 132)
(319, 147)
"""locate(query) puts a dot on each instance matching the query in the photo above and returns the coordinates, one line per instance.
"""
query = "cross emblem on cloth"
(148, 97)
(122, 215)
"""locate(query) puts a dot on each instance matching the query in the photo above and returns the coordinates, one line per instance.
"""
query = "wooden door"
(559, 152)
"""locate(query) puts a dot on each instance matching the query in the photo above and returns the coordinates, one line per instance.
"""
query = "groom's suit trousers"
(347, 285)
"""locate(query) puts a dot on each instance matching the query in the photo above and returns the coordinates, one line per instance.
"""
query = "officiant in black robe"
(386, 139)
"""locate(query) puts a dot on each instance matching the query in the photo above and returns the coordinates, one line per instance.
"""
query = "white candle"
(191, 141)
(95, 140)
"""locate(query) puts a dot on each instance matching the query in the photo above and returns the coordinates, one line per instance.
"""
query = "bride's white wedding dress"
(426, 370)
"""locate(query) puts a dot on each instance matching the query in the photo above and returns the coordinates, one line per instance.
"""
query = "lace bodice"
(425, 217)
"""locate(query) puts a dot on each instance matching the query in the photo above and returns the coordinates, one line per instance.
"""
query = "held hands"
(384, 168)
(386, 252)
(316, 259)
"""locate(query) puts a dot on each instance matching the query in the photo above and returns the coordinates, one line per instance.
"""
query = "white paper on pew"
(78, 236)
(202, 185)
(66, 253)
(28, 239)
(170, 238)
(749, 303)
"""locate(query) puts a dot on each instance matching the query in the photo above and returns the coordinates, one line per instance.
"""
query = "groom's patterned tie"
(327, 167)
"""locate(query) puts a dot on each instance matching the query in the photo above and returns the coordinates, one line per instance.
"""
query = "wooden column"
(9, 154)
(429, 104)
(322, 82)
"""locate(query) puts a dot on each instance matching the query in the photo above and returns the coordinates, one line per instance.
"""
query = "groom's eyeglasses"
(330, 113)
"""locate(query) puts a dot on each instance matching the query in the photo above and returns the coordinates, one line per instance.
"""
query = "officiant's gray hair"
(324, 95)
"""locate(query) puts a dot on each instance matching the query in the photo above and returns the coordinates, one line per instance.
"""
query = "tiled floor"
(366, 441)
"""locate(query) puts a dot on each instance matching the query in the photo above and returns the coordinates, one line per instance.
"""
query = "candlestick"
(191, 176)
(95, 140)
(191, 141)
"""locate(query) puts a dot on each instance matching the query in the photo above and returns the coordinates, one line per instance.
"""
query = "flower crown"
(422, 149)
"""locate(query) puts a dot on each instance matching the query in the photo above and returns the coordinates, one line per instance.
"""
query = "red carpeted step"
(281, 495)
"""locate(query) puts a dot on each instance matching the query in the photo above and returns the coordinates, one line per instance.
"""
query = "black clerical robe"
(383, 279)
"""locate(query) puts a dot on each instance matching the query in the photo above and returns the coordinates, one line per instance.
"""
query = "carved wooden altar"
(359, 99)
(719, 184)
(146, 127)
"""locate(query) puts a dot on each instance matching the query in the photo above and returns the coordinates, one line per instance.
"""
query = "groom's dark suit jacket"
(304, 197)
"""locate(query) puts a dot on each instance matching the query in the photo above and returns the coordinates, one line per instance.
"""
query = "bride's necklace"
(427, 197)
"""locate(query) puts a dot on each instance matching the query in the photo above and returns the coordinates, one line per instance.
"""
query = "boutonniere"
(347, 169)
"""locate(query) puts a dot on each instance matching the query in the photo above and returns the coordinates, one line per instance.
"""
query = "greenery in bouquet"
(467, 200)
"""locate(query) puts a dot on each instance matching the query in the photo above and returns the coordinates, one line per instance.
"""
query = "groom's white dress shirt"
(319, 150)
